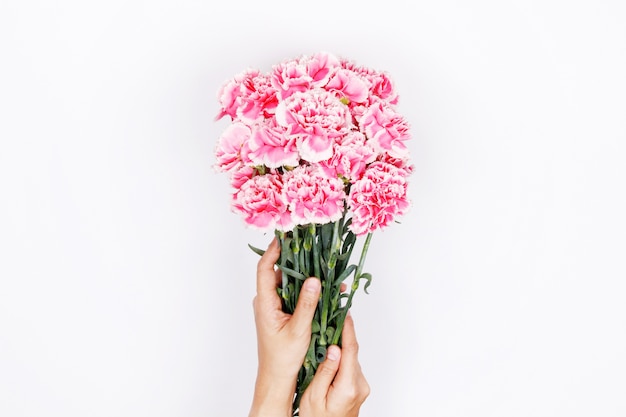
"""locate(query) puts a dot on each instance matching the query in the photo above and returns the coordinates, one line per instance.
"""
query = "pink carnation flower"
(271, 146)
(402, 163)
(377, 198)
(379, 83)
(383, 88)
(249, 97)
(385, 129)
(312, 196)
(316, 118)
(303, 73)
(241, 175)
(289, 77)
(349, 85)
(320, 67)
(258, 99)
(232, 147)
(261, 203)
(350, 157)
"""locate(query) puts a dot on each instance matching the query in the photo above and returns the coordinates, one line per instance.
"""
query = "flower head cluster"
(314, 139)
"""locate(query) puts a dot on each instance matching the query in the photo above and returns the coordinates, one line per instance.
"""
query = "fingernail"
(332, 353)
(312, 285)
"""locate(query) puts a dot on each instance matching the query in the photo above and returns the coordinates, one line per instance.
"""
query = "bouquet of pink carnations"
(316, 152)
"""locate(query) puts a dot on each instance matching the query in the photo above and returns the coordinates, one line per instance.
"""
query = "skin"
(338, 388)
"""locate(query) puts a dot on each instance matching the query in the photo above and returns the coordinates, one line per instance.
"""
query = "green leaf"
(258, 251)
(345, 274)
(368, 277)
(349, 240)
(327, 235)
(287, 250)
(346, 225)
(336, 313)
(292, 273)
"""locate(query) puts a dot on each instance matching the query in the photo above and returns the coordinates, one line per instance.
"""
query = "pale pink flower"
(357, 110)
(271, 146)
(320, 67)
(385, 129)
(379, 83)
(350, 85)
(350, 157)
(383, 88)
(232, 147)
(307, 131)
(377, 198)
(303, 73)
(290, 76)
(241, 175)
(316, 118)
(229, 94)
(312, 196)
(261, 203)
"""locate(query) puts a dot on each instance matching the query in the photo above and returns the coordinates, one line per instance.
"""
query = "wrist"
(273, 396)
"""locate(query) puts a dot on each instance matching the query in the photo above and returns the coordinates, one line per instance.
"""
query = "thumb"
(325, 374)
(305, 309)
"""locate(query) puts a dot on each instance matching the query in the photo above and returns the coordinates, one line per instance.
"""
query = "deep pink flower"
(271, 146)
(312, 196)
(377, 198)
(249, 97)
(258, 99)
(261, 203)
(316, 118)
(385, 129)
(350, 157)
(402, 163)
(232, 147)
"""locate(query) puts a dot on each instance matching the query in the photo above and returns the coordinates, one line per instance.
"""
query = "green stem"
(355, 286)
(316, 252)
(330, 277)
(283, 259)
(296, 260)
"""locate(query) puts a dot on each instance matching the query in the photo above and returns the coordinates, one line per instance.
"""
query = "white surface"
(125, 282)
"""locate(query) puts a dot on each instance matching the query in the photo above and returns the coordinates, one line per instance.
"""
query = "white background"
(126, 283)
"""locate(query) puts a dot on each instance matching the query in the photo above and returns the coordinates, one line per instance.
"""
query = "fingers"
(325, 374)
(349, 347)
(300, 322)
(349, 379)
(265, 273)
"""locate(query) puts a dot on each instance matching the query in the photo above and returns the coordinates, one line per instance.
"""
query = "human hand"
(338, 388)
(283, 339)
